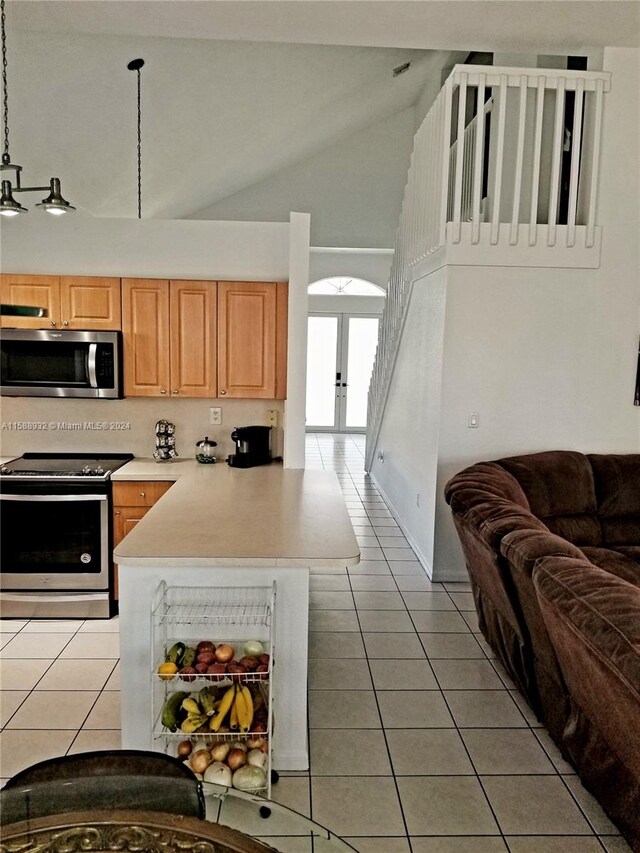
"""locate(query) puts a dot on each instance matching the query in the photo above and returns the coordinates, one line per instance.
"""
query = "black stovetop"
(94, 466)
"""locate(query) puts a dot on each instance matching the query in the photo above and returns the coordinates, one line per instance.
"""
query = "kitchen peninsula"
(221, 526)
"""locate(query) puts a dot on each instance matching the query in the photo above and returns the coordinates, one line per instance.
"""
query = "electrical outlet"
(272, 417)
(474, 420)
(380, 456)
(215, 415)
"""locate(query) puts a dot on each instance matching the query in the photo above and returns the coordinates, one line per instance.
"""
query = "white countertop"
(216, 515)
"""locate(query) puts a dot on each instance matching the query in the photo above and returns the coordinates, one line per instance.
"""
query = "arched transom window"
(345, 286)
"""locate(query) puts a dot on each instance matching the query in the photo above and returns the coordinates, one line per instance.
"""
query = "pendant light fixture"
(136, 65)
(54, 203)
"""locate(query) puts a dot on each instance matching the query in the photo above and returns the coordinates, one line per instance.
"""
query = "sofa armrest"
(593, 619)
(522, 548)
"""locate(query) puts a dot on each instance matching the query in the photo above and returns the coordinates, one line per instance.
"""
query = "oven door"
(54, 540)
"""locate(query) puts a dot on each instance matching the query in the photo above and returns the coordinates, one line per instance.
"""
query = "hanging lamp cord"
(139, 146)
(5, 115)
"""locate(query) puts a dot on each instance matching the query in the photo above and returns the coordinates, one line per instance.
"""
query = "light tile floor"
(419, 741)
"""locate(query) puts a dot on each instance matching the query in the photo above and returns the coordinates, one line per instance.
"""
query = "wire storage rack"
(195, 694)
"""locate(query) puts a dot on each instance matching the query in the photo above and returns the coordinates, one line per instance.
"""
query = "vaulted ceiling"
(236, 91)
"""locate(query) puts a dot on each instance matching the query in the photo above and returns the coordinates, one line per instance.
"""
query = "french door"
(340, 352)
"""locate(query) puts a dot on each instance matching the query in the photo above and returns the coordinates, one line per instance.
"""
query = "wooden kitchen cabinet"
(252, 334)
(169, 337)
(90, 303)
(132, 500)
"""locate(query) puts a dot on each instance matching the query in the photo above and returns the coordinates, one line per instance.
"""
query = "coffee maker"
(252, 446)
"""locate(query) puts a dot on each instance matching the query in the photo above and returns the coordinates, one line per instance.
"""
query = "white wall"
(410, 430)
(154, 248)
(352, 189)
(546, 356)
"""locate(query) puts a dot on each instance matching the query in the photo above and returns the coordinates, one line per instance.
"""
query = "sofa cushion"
(560, 490)
(495, 518)
(613, 561)
(617, 484)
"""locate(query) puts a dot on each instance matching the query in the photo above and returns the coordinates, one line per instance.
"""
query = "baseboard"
(452, 577)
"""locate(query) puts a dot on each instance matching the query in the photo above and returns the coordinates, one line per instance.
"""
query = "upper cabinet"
(169, 337)
(252, 335)
(70, 302)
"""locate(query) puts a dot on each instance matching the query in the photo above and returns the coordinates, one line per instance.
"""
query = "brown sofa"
(552, 545)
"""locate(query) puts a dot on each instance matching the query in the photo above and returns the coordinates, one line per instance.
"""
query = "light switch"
(474, 420)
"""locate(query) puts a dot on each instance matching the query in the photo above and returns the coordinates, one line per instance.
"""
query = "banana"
(189, 656)
(225, 706)
(170, 710)
(207, 700)
(233, 718)
(191, 706)
(175, 653)
(245, 710)
(192, 723)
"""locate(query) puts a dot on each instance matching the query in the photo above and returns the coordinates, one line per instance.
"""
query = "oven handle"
(53, 497)
(53, 596)
(91, 365)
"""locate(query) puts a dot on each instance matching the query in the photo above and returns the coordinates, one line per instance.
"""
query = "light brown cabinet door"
(134, 493)
(90, 302)
(247, 339)
(193, 314)
(42, 291)
(140, 496)
(125, 519)
(145, 326)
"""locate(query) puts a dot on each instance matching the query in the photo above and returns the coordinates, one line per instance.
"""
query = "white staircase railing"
(505, 156)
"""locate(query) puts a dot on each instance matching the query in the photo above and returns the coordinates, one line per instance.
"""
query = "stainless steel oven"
(56, 536)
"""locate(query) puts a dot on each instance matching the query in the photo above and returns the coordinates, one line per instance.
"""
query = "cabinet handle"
(222, 393)
(174, 390)
(65, 323)
(52, 323)
(163, 390)
(117, 512)
(143, 494)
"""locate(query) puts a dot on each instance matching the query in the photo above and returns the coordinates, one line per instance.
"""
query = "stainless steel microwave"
(43, 363)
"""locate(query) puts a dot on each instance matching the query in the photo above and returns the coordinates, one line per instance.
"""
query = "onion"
(184, 748)
(255, 742)
(253, 648)
(249, 779)
(220, 751)
(197, 775)
(236, 758)
(200, 760)
(219, 774)
(257, 758)
(201, 744)
(224, 653)
(239, 744)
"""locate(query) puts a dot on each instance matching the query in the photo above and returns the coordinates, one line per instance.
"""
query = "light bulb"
(56, 211)
(5, 212)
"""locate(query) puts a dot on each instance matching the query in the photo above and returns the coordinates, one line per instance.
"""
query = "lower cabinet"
(132, 500)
